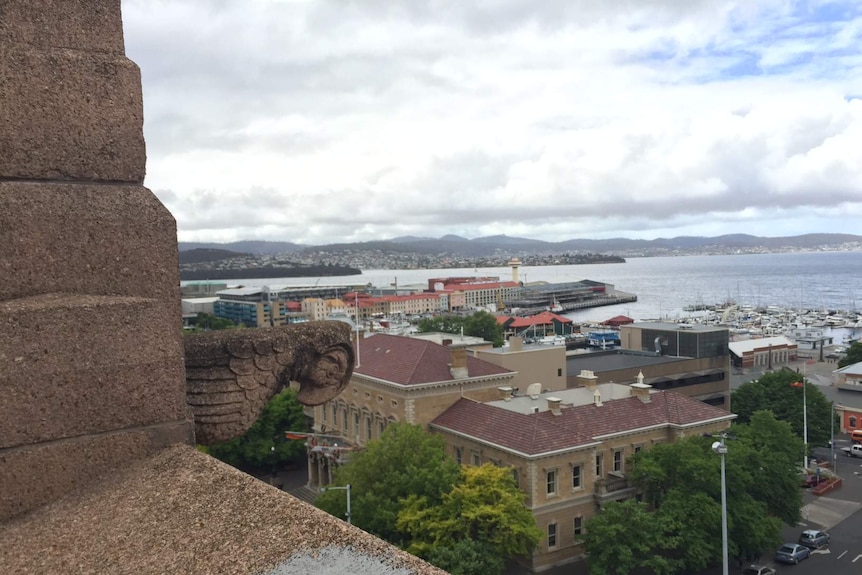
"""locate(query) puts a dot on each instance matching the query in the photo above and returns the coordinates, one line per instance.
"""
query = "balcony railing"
(611, 484)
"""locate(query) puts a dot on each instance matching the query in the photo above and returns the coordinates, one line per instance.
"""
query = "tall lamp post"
(720, 448)
(346, 488)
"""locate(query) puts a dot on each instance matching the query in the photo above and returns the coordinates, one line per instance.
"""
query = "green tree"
(854, 355)
(467, 557)
(207, 322)
(623, 538)
(681, 483)
(446, 323)
(773, 391)
(485, 506)
(406, 461)
(483, 324)
(480, 324)
(254, 449)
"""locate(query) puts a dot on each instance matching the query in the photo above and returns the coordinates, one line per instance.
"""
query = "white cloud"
(323, 122)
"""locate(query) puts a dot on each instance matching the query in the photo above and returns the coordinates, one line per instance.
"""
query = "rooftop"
(748, 345)
(685, 327)
(600, 361)
(410, 361)
(574, 427)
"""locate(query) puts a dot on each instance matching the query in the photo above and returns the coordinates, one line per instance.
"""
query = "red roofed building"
(537, 326)
(568, 448)
(618, 320)
(400, 379)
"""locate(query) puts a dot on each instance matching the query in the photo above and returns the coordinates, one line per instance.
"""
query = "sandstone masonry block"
(70, 115)
(87, 364)
(41, 473)
(94, 25)
(86, 239)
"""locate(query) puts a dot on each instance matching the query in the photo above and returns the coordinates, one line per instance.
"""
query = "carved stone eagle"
(232, 374)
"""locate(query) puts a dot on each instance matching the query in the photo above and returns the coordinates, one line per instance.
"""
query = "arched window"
(852, 421)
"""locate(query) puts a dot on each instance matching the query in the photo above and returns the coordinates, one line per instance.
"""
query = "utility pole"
(720, 448)
(346, 488)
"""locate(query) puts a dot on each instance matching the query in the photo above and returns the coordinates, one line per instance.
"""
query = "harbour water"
(665, 286)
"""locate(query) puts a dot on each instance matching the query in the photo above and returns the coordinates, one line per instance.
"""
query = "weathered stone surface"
(87, 364)
(86, 239)
(76, 24)
(41, 473)
(181, 511)
(70, 115)
(231, 375)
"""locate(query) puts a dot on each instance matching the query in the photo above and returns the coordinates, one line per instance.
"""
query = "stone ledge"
(184, 512)
(70, 115)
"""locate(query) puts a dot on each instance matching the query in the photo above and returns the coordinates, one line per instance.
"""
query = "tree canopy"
(773, 391)
(254, 449)
(854, 355)
(677, 529)
(485, 507)
(480, 324)
(406, 461)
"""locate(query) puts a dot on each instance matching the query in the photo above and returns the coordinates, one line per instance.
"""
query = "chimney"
(505, 393)
(597, 397)
(641, 390)
(458, 367)
(554, 405)
(516, 343)
(586, 379)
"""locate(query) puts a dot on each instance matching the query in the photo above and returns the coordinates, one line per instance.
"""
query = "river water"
(666, 285)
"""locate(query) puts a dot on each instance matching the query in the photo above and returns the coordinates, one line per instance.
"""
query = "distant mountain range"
(506, 245)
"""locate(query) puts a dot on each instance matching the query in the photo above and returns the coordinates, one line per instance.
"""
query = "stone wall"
(91, 350)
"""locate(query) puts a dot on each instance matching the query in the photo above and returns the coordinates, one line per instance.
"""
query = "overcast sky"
(321, 122)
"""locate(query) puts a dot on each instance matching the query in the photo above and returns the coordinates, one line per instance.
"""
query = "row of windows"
(335, 416)
(617, 466)
(577, 531)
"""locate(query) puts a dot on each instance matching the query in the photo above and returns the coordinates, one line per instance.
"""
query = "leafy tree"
(445, 323)
(681, 532)
(624, 537)
(773, 391)
(480, 324)
(254, 449)
(485, 506)
(207, 322)
(854, 355)
(467, 557)
(483, 324)
(406, 461)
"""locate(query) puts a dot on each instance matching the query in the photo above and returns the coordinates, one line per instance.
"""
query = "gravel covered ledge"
(181, 511)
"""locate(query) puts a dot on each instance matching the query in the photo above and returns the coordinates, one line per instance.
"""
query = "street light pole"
(346, 488)
(720, 448)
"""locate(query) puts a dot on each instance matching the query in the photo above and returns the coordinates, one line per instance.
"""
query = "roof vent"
(554, 405)
(534, 390)
(597, 397)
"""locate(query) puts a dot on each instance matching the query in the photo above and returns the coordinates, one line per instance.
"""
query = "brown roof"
(578, 426)
(412, 361)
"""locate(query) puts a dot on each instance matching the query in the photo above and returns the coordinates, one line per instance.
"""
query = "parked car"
(792, 553)
(814, 539)
(758, 570)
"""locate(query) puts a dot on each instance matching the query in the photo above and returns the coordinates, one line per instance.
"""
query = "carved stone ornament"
(232, 374)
